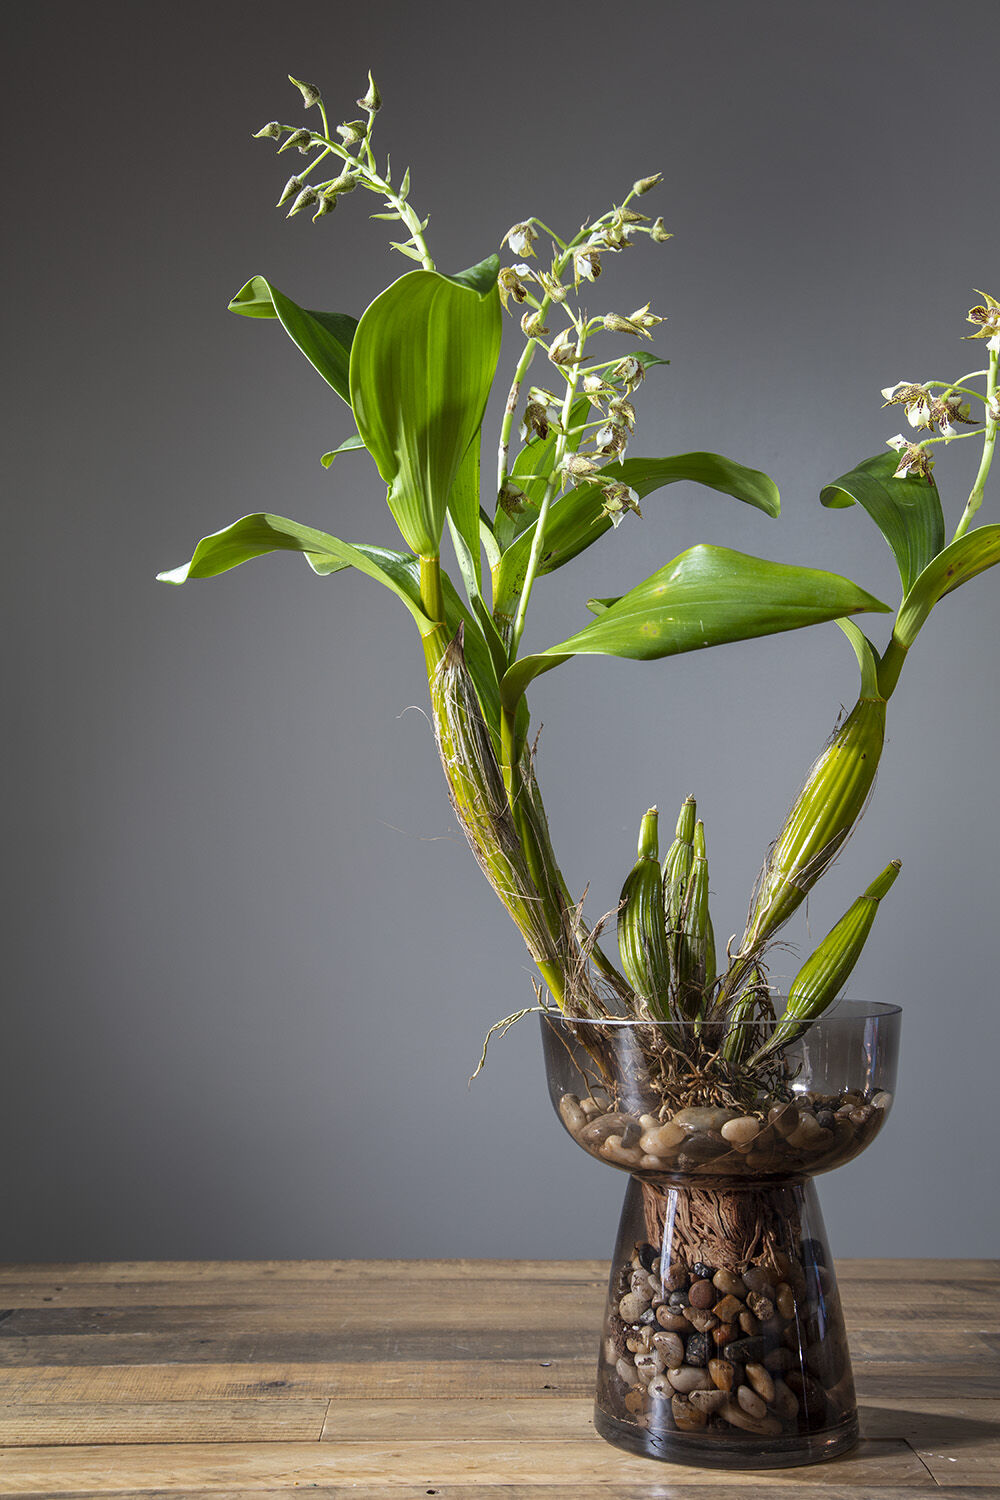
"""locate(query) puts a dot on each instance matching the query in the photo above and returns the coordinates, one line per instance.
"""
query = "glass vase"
(724, 1342)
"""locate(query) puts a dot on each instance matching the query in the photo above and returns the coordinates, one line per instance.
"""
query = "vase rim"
(844, 1012)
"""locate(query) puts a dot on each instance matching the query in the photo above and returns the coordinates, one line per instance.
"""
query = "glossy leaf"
(349, 445)
(973, 553)
(256, 535)
(868, 658)
(907, 511)
(463, 516)
(324, 338)
(422, 364)
(705, 597)
(578, 519)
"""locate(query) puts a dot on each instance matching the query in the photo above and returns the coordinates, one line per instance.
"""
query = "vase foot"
(717, 1452)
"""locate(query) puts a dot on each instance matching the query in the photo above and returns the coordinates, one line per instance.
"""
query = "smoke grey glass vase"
(724, 1342)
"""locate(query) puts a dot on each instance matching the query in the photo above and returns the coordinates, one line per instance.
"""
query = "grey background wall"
(248, 962)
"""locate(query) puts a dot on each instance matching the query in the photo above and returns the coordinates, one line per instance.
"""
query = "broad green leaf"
(481, 278)
(324, 338)
(256, 535)
(868, 658)
(907, 511)
(577, 519)
(463, 517)
(422, 364)
(973, 553)
(349, 445)
(705, 597)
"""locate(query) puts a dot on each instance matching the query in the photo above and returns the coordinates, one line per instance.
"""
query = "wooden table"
(468, 1380)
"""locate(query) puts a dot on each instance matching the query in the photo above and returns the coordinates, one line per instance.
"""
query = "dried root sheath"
(724, 1229)
(477, 792)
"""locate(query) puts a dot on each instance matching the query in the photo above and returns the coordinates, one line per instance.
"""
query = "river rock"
(723, 1374)
(784, 1401)
(573, 1117)
(741, 1351)
(760, 1378)
(702, 1293)
(662, 1140)
(697, 1350)
(708, 1401)
(728, 1309)
(672, 1319)
(632, 1306)
(671, 1346)
(785, 1300)
(762, 1307)
(765, 1426)
(687, 1418)
(757, 1279)
(698, 1118)
(729, 1284)
(597, 1132)
(701, 1319)
(741, 1132)
(784, 1118)
(686, 1378)
(751, 1402)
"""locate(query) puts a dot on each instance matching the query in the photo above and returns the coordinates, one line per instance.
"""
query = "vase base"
(716, 1452)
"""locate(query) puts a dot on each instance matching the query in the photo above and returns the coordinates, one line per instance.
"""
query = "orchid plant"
(415, 373)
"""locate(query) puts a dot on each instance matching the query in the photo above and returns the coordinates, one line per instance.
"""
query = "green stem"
(432, 603)
(975, 499)
(550, 490)
(890, 667)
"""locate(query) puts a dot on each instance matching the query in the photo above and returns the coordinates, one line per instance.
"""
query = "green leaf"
(973, 553)
(422, 364)
(347, 446)
(868, 658)
(481, 278)
(463, 517)
(253, 536)
(907, 511)
(577, 519)
(324, 338)
(705, 597)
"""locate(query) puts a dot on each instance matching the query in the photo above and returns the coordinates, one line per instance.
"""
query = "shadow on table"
(927, 1429)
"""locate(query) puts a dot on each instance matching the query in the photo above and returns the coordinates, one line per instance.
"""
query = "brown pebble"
(632, 1306)
(764, 1426)
(727, 1309)
(723, 1374)
(785, 1300)
(751, 1402)
(671, 1346)
(757, 1279)
(662, 1140)
(709, 1401)
(724, 1334)
(780, 1359)
(784, 1118)
(660, 1388)
(701, 1319)
(687, 1378)
(671, 1319)
(573, 1116)
(762, 1307)
(760, 1379)
(675, 1279)
(749, 1324)
(635, 1400)
(740, 1132)
(686, 1417)
(809, 1391)
(702, 1293)
(729, 1284)
(785, 1402)
(597, 1132)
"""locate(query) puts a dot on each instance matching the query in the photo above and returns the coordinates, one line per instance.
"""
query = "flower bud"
(301, 138)
(536, 420)
(645, 183)
(644, 317)
(659, 233)
(373, 99)
(310, 93)
(327, 203)
(512, 501)
(578, 467)
(614, 323)
(308, 195)
(292, 187)
(623, 411)
(271, 131)
(597, 388)
(351, 132)
(586, 264)
(629, 373)
(562, 350)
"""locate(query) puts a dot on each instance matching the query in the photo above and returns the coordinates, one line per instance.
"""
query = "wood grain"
(467, 1380)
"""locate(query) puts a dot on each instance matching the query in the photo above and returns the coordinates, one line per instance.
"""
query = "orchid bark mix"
(416, 372)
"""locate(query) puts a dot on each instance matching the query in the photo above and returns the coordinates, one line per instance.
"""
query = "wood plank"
(260, 1420)
(537, 1466)
(658, 1489)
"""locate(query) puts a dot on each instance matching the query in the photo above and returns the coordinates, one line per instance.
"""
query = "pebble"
(757, 1279)
(635, 1400)
(671, 1347)
(701, 1271)
(741, 1131)
(648, 1365)
(779, 1359)
(764, 1426)
(676, 1279)
(709, 1401)
(724, 1334)
(697, 1350)
(741, 1351)
(662, 1140)
(882, 1100)
(727, 1309)
(592, 1108)
(784, 1118)
(614, 1148)
(687, 1418)
(672, 1319)
(762, 1307)
(632, 1306)
(761, 1381)
(728, 1283)
(749, 1324)
(687, 1378)
(573, 1117)
(751, 1402)
(653, 1163)
(723, 1374)
(699, 1117)
(597, 1132)
(627, 1371)
(702, 1293)
(701, 1319)
(785, 1300)
(785, 1402)
(660, 1388)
